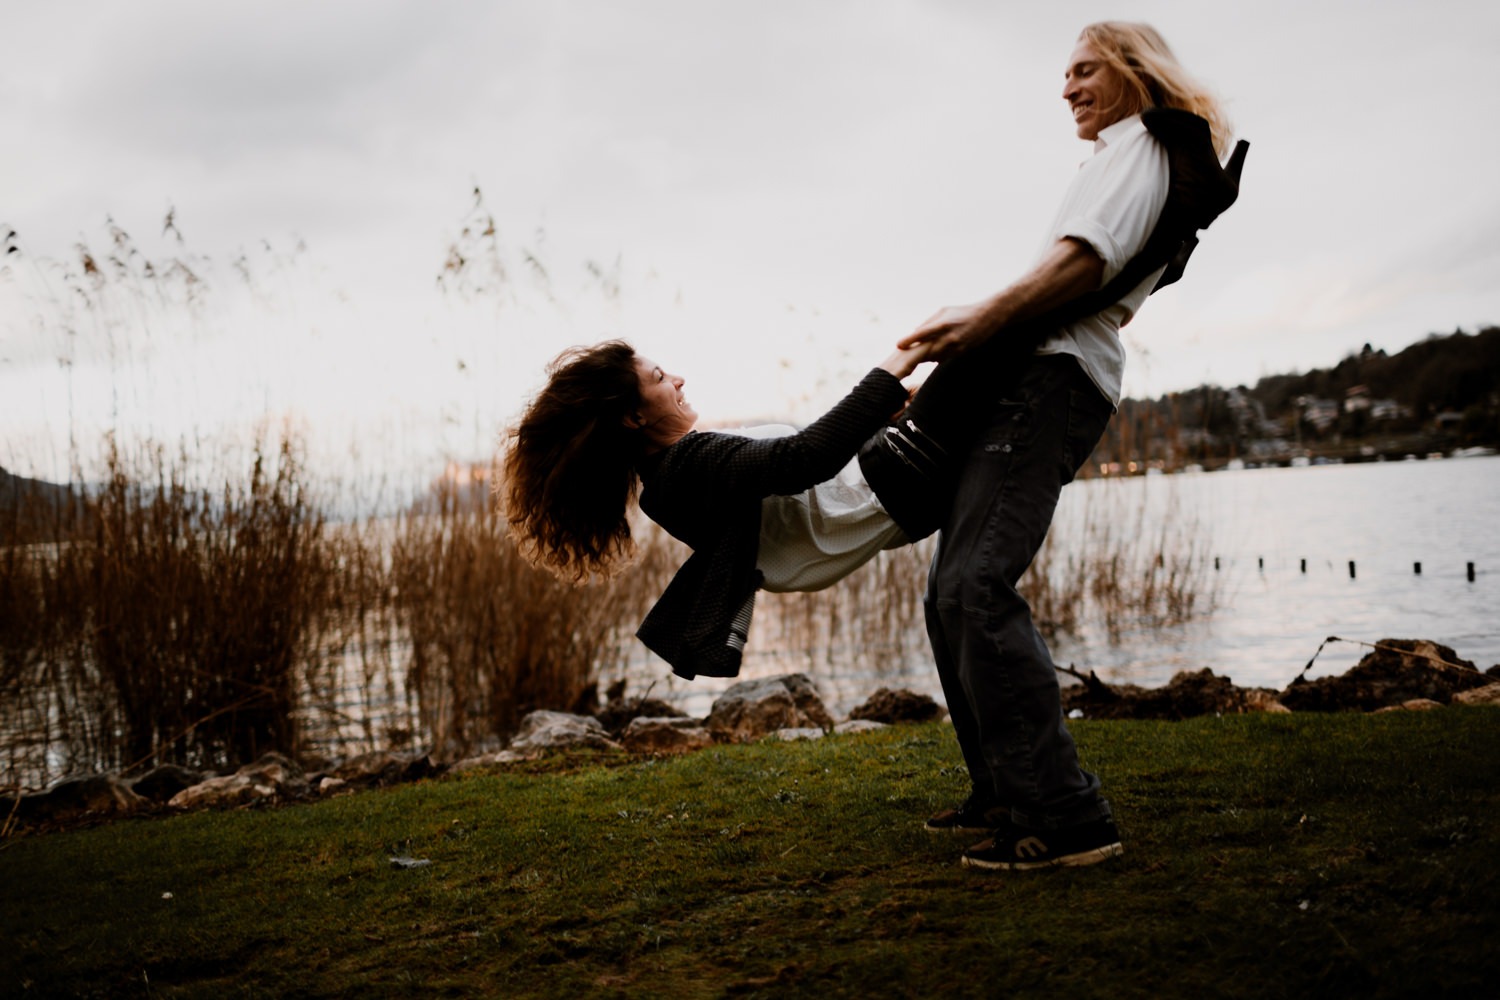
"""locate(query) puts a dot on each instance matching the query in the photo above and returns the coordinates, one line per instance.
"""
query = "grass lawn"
(1268, 855)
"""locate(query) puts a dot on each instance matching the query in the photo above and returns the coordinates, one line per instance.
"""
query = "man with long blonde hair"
(1029, 794)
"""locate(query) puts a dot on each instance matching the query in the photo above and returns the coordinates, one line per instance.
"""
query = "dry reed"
(166, 623)
(172, 619)
(492, 636)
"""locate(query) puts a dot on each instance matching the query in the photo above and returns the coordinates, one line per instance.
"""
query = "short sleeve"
(1116, 199)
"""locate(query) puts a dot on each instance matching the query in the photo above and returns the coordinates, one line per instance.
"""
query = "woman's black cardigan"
(706, 491)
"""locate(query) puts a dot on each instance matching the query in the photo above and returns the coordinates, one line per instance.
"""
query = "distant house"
(1447, 419)
(1249, 414)
(1357, 399)
(1321, 413)
(1194, 437)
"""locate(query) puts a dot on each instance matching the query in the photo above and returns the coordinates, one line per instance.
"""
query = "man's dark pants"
(996, 671)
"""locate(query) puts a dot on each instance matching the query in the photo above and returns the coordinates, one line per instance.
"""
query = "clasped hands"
(944, 333)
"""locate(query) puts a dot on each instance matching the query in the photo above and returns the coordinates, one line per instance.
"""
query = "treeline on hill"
(1440, 394)
(30, 509)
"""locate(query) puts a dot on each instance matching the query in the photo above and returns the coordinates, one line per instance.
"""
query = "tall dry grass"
(494, 637)
(167, 623)
(873, 618)
(1119, 559)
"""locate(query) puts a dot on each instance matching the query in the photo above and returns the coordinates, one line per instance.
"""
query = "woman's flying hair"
(1154, 77)
(569, 469)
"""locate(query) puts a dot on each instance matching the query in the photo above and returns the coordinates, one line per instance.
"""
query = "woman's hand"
(904, 360)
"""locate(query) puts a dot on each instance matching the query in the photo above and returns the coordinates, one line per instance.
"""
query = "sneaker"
(975, 816)
(1020, 850)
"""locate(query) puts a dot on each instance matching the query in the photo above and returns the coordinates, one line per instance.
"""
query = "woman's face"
(665, 416)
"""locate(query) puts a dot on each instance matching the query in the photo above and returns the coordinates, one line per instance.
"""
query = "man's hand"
(1068, 269)
(941, 333)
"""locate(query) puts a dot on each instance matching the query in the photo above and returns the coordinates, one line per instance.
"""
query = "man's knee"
(978, 581)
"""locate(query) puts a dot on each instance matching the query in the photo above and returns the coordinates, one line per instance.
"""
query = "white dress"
(813, 539)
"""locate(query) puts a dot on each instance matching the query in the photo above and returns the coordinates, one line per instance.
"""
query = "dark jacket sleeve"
(755, 468)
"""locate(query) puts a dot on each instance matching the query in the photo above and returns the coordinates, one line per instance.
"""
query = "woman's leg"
(913, 463)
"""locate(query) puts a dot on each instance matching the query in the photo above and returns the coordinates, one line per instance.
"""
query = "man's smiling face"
(1095, 91)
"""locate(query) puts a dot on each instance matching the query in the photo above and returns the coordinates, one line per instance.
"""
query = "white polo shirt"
(1112, 205)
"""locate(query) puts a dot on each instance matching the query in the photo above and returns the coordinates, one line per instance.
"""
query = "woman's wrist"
(904, 361)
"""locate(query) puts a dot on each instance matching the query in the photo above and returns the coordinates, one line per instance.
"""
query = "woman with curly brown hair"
(766, 507)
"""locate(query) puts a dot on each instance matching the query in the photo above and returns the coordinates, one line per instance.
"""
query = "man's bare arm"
(1068, 270)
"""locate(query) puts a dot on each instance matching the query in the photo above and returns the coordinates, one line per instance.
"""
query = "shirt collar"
(1112, 134)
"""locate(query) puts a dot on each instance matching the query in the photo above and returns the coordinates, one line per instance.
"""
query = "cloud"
(804, 181)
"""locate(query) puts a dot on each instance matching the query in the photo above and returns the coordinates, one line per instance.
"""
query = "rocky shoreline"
(1397, 675)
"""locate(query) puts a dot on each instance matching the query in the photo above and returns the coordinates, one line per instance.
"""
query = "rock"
(273, 776)
(1396, 672)
(858, 726)
(665, 735)
(752, 709)
(223, 792)
(901, 705)
(71, 799)
(274, 768)
(380, 768)
(618, 714)
(586, 702)
(1262, 700)
(547, 730)
(1189, 693)
(332, 786)
(1487, 695)
(496, 759)
(797, 733)
(1414, 705)
(161, 783)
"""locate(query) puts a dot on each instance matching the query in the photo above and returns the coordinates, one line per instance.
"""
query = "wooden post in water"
(1304, 566)
(1351, 569)
(1416, 568)
(1471, 572)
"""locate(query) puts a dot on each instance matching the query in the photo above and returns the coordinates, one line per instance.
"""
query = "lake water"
(1270, 615)
(1383, 517)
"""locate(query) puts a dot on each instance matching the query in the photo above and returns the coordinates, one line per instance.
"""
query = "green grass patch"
(1265, 856)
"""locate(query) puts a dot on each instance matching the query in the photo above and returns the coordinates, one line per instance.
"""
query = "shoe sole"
(967, 831)
(1090, 857)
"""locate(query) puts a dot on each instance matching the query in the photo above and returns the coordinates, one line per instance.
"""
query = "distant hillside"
(1437, 395)
(29, 508)
(1450, 373)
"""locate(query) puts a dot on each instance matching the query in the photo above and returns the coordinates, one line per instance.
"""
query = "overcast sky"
(762, 195)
